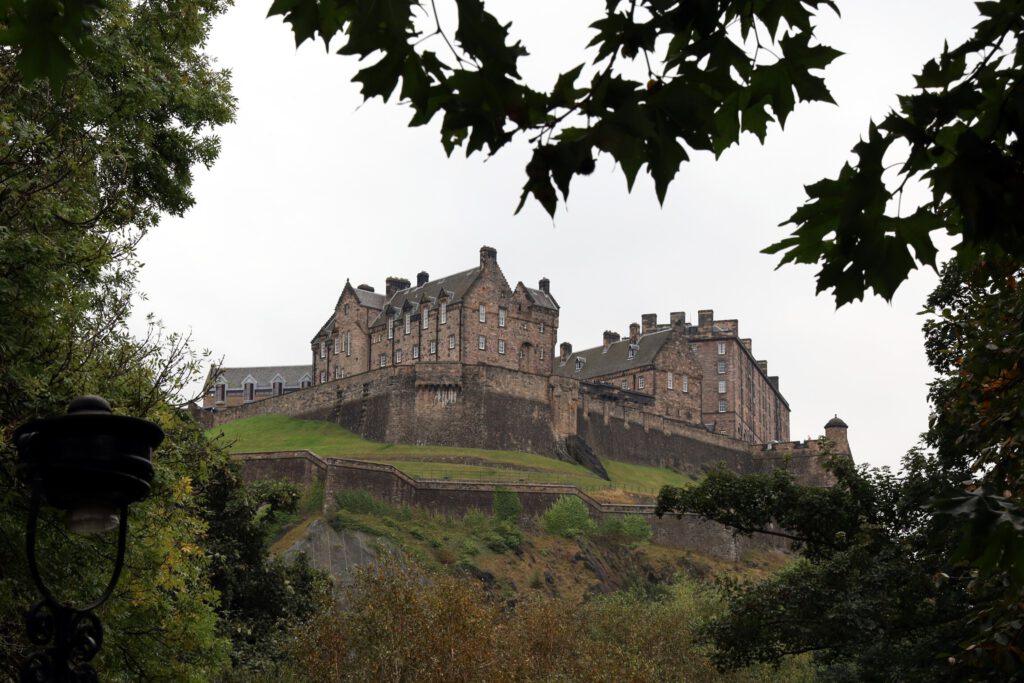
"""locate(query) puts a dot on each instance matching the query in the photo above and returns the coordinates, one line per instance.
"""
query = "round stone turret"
(835, 431)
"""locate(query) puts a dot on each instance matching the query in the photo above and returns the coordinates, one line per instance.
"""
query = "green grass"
(281, 433)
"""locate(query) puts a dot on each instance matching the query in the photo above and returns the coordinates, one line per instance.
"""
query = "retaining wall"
(457, 497)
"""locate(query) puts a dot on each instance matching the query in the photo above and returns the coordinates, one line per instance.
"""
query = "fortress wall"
(455, 498)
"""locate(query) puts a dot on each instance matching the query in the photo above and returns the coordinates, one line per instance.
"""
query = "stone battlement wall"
(458, 497)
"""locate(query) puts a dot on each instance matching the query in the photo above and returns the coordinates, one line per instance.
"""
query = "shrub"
(568, 516)
(361, 503)
(504, 537)
(625, 529)
(507, 506)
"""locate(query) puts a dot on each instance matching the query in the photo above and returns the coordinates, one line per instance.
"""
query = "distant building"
(235, 386)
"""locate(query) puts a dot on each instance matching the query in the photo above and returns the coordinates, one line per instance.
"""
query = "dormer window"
(391, 326)
(579, 364)
(408, 323)
(444, 312)
(249, 391)
(222, 392)
(278, 387)
(426, 317)
(631, 353)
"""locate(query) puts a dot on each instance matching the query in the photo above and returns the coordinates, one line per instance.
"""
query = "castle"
(469, 360)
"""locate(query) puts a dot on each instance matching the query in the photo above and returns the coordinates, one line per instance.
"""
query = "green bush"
(625, 529)
(503, 537)
(568, 516)
(507, 506)
(361, 503)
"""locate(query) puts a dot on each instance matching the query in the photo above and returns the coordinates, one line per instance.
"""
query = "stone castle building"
(470, 360)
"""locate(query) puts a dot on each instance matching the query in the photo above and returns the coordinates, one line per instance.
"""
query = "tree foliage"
(916, 576)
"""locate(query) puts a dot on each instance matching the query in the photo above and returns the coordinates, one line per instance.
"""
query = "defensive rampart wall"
(457, 497)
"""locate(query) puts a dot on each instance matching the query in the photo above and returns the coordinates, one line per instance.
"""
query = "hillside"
(627, 482)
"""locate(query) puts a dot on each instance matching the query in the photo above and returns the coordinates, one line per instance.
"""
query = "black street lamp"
(92, 464)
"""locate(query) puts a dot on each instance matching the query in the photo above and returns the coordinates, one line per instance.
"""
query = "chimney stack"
(677, 318)
(365, 288)
(422, 278)
(634, 333)
(609, 338)
(488, 256)
(748, 344)
(394, 284)
(763, 364)
(705, 319)
(545, 285)
(565, 349)
(649, 322)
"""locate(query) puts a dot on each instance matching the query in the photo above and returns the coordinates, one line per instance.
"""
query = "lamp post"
(92, 464)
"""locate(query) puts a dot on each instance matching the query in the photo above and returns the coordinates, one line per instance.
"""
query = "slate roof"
(598, 362)
(541, 298)
(292, 374)
(369, 299)
(325, 329)
(455, 286)
(836, 422)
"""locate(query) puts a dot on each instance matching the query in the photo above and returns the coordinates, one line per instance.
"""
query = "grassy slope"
(282, 433)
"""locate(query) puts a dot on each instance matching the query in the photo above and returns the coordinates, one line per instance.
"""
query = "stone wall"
(458, 497)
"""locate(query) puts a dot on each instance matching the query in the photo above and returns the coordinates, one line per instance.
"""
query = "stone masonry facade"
(469, 360)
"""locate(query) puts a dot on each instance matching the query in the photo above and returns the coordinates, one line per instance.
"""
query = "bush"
(507, 506)
(625, 530)
(504, 537)
(568, 516)
(361, 503)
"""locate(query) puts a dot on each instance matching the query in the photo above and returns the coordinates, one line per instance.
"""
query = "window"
(337, 345)
(391, 327)
(686, 384)
(501, 316)
(398, 356)
(348, 343)
(323, 349)
(631, 354)
(451, 341)
(542, 328)
(416, 352)
(249, 391)
(278, 388)
(721, 405)
(306, 382)
(579, 364)
(625, 384)
(337, 373)
(222, 391)
(483, 313)
(721, 367)
(481, 342)
(721, 348)
(542, 353)
(641, 382)
(501, 346)
(433, 347)
(383, 359)
(323, 376)
(668, 379)
(444, 312)
(345, 308)
(425, 317)
(721, 386)
(408, 323)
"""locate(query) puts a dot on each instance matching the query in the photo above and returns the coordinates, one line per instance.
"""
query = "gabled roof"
(598, 362)
(454, 287)
(366, 297)
(541, 298)
(233, 377)
(325, 329)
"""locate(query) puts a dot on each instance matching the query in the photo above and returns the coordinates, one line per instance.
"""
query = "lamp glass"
(92, 519)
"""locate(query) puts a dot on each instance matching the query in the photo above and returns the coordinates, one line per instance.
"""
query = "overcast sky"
(312, 188)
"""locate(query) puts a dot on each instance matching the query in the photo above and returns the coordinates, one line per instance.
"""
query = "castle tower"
(835, 431)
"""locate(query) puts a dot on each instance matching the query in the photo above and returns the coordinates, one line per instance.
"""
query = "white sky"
(311, 188)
